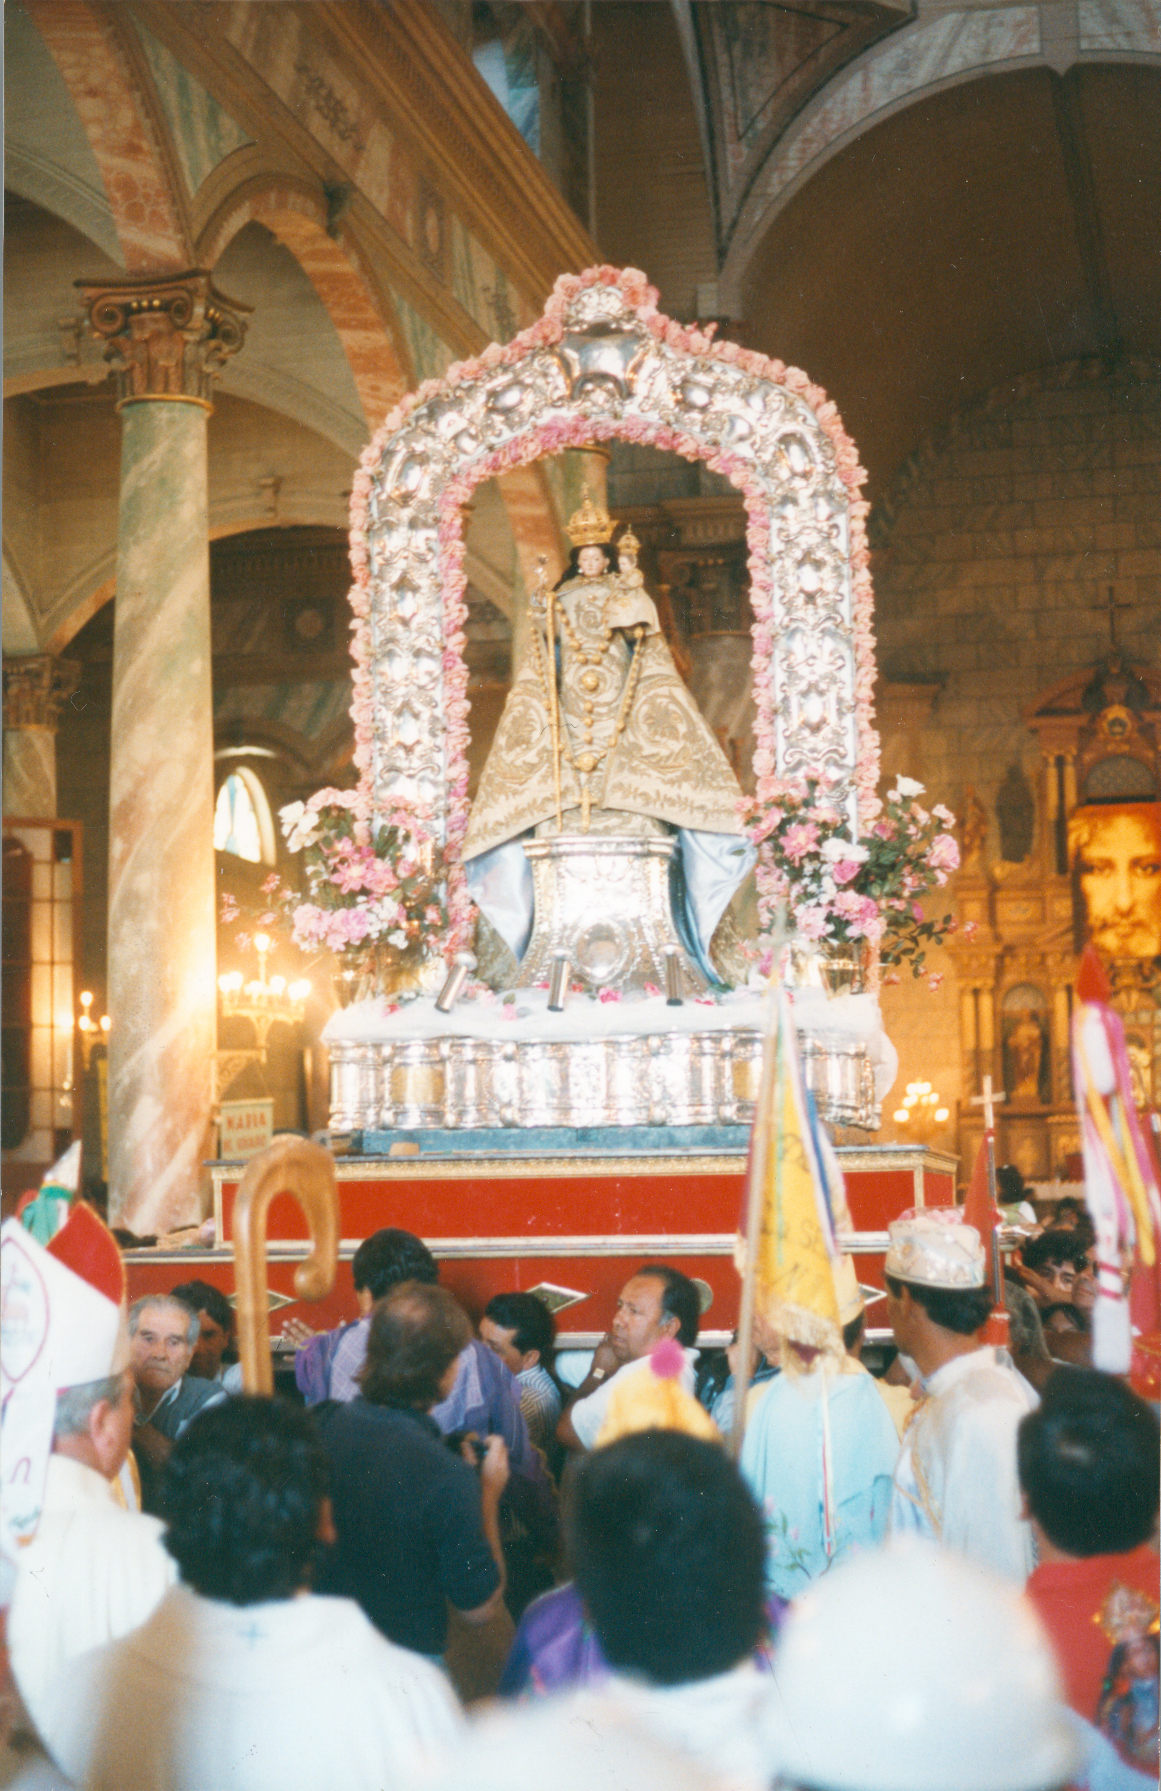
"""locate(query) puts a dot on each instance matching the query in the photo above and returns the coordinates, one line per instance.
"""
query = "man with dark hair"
(1052, 1264)
(667, 1547)
(1090, 1471)
(163, 1333)
(417, 1527)
(216, 1317)
(238, 1678)
(658, 1302)
(955, 1479)
(518, 1328)
(484, 1396)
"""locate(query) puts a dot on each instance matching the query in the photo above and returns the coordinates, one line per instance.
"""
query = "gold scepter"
(288, 1166)
(546, 596)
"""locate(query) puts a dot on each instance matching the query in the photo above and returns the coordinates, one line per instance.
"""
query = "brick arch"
(360, 312)
(84, 44)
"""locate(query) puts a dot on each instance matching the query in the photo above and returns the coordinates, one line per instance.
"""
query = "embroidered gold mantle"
(664, 763)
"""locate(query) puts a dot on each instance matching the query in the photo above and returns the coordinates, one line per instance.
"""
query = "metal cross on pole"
(988, 1100)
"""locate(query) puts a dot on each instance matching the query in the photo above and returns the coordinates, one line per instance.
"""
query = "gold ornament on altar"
(589, 526)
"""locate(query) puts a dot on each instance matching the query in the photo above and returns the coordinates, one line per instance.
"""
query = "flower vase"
(837, 967)
(345, 981)
(396, 976)
(375, 971)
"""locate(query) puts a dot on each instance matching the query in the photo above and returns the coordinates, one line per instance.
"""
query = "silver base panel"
(651, 1079)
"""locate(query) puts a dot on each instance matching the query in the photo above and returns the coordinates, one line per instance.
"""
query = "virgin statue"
(599, 736)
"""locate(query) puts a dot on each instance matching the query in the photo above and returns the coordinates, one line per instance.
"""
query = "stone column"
(166, 338)
(35, 688)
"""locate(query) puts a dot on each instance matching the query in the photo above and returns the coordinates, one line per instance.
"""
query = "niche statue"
(600, 737)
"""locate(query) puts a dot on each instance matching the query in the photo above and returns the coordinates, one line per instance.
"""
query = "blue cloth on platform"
(782, 1458)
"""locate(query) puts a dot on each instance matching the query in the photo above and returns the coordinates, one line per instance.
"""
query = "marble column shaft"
(162, 941)
(30, 772)
(166, 336)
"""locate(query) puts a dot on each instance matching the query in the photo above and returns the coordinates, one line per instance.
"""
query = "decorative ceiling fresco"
(754, 65)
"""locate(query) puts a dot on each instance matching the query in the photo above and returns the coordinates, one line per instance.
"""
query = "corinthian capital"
(167, 336)
(36, 689)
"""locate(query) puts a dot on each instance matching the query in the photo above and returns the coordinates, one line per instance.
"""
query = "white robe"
(956, 1478)
(92, 1572)
(298, 1693)
(717, 1733)
(588, 1415)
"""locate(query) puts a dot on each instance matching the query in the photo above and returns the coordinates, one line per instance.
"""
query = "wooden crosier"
(288, 1166)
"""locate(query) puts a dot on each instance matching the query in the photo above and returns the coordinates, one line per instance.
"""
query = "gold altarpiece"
(1022, 925)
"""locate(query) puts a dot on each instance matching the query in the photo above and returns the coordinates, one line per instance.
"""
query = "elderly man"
(91, 1569)
(955, 1479)
(241, 1677)
(163, 1334)
(658, 1302)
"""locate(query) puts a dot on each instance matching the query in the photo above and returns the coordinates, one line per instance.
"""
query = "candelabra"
(922, 1111)
(264, 999)
(92, 1032)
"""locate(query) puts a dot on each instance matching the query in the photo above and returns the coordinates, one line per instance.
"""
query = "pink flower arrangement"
(373, 888)
(839, 890)
(369, 883)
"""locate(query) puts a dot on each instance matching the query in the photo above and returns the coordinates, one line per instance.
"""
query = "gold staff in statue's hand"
(542, 602)
(288, 1166)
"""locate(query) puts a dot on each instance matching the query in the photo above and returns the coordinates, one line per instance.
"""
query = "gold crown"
(629, 542)
(589, 527)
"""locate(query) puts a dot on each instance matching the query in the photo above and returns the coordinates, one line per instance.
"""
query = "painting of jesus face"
(1116, 857)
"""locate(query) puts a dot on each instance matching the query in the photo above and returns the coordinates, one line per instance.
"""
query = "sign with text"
(246, 1128)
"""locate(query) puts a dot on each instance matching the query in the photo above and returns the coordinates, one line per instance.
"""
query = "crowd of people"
(943, 1577)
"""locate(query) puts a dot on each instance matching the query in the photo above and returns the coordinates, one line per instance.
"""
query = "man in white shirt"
(956, 1476)
(242, 1676)
(658, 1302)
(91, 1569)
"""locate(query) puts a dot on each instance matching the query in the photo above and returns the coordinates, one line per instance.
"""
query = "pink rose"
(800, 839)
(943, 854)
(810, 923)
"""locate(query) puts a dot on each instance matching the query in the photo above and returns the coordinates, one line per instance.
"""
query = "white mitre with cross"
(63, 1324)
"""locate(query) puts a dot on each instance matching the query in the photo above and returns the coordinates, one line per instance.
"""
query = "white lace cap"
(933, 1246)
